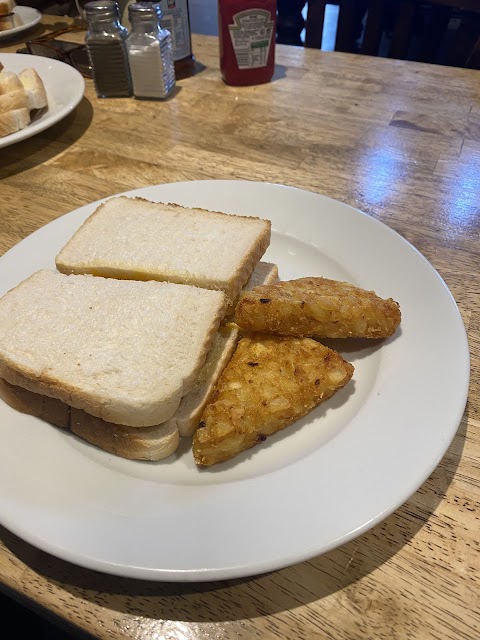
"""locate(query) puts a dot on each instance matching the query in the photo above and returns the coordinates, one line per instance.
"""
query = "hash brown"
(317, 307)
(269, 383)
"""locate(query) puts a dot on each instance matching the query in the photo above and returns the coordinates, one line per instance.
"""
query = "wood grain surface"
(398, 140)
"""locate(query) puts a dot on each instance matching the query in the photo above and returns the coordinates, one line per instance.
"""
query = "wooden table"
(398, 140)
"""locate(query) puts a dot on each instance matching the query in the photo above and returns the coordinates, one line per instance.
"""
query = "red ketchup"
(247, 32)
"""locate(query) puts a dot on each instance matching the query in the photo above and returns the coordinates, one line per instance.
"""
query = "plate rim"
(233, 571)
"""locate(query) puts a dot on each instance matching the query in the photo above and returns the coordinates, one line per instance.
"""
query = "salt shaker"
(150, 53)
(106, 47)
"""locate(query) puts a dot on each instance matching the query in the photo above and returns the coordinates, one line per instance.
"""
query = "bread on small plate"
(17, 99)
(13, 121)
(9, 81)
(6, 7)
(34, 88)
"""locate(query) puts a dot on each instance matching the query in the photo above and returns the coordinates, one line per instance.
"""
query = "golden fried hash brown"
(269, 383)
(317, 307)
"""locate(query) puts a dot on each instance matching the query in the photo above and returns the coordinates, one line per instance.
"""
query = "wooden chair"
(405, 29)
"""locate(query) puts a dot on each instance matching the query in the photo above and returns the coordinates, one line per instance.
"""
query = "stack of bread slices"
(123, 342)
(21, 95)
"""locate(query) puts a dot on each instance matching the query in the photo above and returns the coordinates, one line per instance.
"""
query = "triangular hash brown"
(269, 383)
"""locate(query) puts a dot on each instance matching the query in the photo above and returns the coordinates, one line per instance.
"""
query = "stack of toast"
(21, 95)
(162, 322)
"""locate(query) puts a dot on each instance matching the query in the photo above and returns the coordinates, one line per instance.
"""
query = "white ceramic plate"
(25, 18)
(308, 489)
(64, 85)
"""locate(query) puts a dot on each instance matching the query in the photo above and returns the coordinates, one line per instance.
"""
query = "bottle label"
(176, 20)
(251, 34)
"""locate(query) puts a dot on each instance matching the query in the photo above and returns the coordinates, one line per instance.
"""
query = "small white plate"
(64, 85)
(27, 17)
(308, 489)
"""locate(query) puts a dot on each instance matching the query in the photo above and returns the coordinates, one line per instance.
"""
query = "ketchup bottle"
(247, 33)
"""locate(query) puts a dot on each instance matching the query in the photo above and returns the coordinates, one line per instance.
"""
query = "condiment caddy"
(139, 62)
(146, 60)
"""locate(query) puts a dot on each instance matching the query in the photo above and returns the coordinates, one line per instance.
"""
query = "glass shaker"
(106, 47)
(150, 52)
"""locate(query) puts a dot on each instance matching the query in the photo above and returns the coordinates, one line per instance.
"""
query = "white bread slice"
(138, 239)
(13, 121)
(10, 22)
(34, 88)
(6, 7)
(264, 273)
(9, 82)
(121, 350)
(136, 443)
(14, 100)
(187, 416)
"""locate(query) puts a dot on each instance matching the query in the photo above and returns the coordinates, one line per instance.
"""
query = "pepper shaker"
(105, 43)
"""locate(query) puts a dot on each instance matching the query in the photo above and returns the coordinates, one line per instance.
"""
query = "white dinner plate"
(24, 18)
(64, 86)
(308, 489)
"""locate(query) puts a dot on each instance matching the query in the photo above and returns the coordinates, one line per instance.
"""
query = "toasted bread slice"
(132, 238)
(17, 99)
(123, 351)
(6, 7)
(317, 307)
(14, 121)
(269, 383)
(9, 81)
(11, 21)
(34, 88)
(144, 443)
